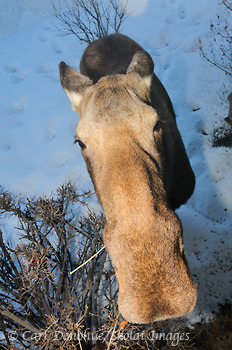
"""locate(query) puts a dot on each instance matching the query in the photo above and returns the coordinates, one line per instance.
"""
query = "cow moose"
(141, 173)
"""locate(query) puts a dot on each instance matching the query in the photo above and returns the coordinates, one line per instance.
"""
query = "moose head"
(138, 164)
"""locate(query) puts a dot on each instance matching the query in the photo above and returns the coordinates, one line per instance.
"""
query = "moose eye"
(157, 127)
(81, 144)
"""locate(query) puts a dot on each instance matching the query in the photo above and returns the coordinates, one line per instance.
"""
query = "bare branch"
(220, 53)
(18, 320)
(90, 19)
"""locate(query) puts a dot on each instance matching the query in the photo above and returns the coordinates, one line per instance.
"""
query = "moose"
(141, 173)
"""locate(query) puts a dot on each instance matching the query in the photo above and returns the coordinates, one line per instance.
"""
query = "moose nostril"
(157, 127)
(81, 144)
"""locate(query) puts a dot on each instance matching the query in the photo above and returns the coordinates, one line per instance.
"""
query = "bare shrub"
(91, 19)
(220, 56)
(220, 53)
(43, 306)
(38, 295)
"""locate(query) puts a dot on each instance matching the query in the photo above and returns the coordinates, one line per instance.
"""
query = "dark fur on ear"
(74, 84)
(72, 80)
(142, 64)
(109, 55)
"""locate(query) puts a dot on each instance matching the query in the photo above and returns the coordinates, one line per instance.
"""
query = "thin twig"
(90, 19)
(86, 262)
(18, 320)
(79, 341)
(115, 325)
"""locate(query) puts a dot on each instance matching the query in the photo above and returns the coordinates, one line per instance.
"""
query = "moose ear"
(143, 65)
(74, 84)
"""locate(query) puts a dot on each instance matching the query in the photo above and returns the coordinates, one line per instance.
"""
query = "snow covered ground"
(37, 123)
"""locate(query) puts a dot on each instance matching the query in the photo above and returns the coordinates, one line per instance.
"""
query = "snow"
(37, 123)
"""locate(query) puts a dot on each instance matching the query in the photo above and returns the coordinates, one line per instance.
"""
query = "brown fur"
(140, 171)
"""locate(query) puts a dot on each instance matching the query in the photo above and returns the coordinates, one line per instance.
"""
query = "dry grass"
(215, 335)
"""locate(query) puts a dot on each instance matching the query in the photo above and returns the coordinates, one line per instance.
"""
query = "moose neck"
(131, 188)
